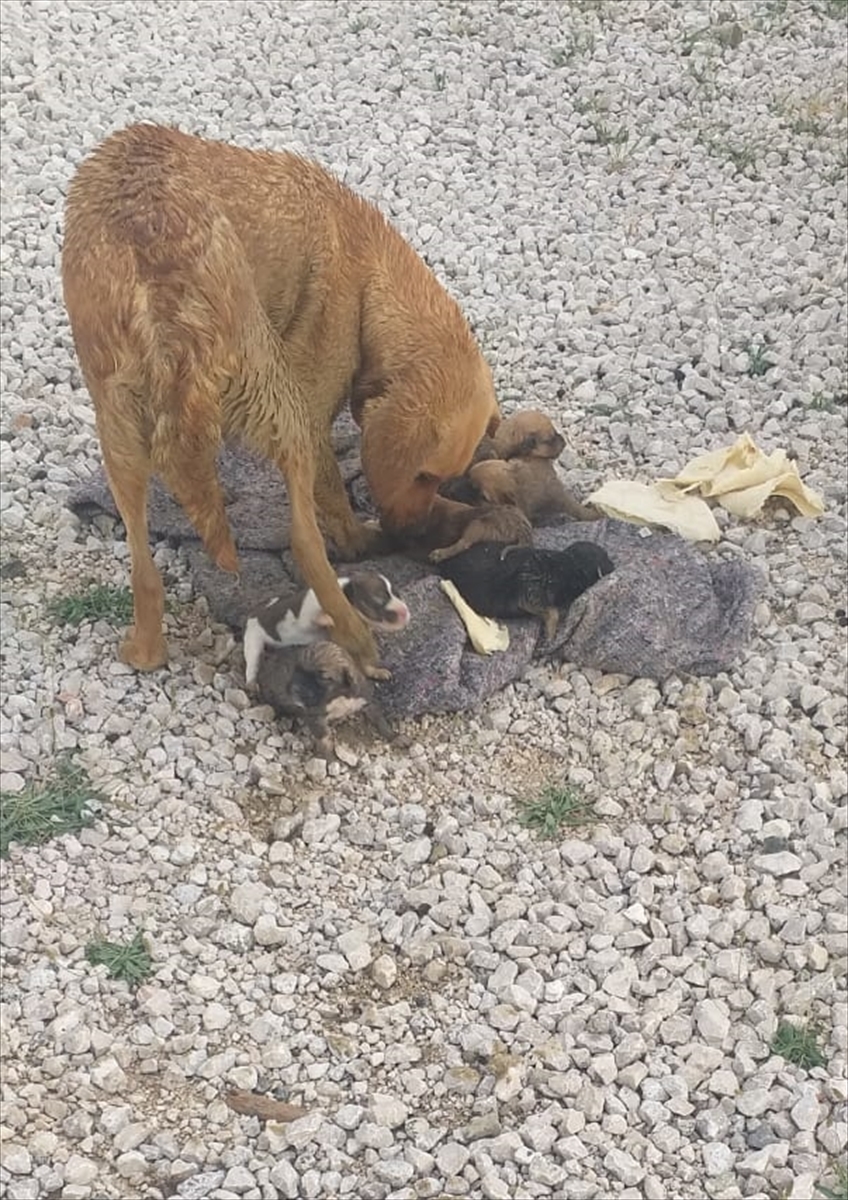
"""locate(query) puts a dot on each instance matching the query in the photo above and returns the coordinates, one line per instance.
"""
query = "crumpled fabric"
(740, 477)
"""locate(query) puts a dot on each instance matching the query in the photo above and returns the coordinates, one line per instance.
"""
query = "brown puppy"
(319, 684)
(490, 523)
(526, 434)
(218, 292)
(530, 483)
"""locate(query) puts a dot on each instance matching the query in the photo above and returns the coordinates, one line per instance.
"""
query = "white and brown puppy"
(319, 684)
(298, 619)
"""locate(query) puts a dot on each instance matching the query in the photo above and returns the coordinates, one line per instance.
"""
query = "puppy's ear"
(494, 422)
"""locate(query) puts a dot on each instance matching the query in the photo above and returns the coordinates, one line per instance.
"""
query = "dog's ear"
(494, 422)
(397, 442)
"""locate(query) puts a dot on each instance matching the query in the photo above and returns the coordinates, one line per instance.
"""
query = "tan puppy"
(218, 292)
(530, 483)
(527, 434)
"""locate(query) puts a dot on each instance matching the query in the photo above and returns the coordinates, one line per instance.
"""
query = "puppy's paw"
(374, 672)
(437, 556)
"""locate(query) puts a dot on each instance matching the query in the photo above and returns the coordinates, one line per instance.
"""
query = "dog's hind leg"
(128, 469)
(189, 471)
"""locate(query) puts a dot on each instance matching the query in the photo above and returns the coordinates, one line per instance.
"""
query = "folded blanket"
(667, 608)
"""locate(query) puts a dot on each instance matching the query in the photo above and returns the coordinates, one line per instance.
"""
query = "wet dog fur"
(216, 292)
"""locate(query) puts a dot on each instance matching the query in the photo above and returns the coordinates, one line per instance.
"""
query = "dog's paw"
(376, 672)
(143, 654)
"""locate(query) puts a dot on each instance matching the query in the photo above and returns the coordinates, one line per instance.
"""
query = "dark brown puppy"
(318, 684)
(516, 581)
(504, 524)
(530, 483)
(219, 292)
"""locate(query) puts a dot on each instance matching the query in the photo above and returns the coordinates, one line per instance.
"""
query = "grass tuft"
(63, 804)
(839, 1189)
(97, 602)
(128, 961)
(556, 808)
(758, 361)
(798, 1044)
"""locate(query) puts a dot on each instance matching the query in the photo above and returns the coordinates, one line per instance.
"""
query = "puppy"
(528, 434)
(516, 581)
(530, 483)
(299, 619)
(318, 684)
(504, 524)
(216, 292)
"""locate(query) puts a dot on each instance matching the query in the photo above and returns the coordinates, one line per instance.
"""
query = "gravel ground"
(640, 206)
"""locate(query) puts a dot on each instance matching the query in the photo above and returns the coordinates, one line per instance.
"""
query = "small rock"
(384, 971)
(80, 1170)
(451, 1158)
(267, 932)
(624, 1167)
(247, 900)
(354, 945)
(782, 863)
(387, 1112)
(806, 1110)
(718, 1158)
(712, 1021)
(15, 1159)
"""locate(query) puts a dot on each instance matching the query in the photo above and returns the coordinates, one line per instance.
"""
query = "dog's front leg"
(310, 554)
(352, 538)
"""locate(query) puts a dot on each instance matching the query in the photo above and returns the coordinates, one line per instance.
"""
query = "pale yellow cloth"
(657, 504)
(740, 477)
(486, 635)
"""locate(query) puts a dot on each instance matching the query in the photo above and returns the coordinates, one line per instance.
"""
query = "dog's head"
(528, 434)
(422, 430)
(494, 480)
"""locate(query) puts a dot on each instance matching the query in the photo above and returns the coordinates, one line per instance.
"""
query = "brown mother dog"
(218, 292)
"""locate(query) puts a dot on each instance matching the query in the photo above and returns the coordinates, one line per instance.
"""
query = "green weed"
(97, 602)
(129, 961)
(63, 804)
(798, 1044)
(558, 806)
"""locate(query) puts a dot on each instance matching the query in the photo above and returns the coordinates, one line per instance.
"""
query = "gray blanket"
(667, 608)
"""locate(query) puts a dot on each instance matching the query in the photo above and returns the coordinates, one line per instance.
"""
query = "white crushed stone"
(629, 202)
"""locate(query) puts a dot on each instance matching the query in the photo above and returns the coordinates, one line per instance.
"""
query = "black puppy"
(519, 581)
